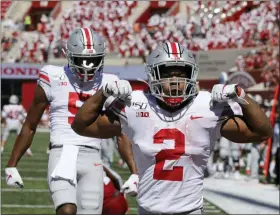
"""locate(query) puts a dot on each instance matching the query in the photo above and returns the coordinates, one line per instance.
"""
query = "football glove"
(130, 187)
(13, 177)
(223, 93)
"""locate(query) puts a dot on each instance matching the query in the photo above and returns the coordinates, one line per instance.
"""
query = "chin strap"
(141, 80)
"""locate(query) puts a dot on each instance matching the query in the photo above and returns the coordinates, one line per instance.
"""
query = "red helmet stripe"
(175, 50)
(87, 38)
(90, 37)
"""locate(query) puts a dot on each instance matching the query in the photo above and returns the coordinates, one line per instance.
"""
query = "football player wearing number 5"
(75, 173)
(173, 128)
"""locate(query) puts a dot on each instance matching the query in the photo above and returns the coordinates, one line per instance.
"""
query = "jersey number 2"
(72, 103)
(176, 174)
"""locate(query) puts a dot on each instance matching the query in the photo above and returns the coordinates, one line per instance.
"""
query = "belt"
(60, 146)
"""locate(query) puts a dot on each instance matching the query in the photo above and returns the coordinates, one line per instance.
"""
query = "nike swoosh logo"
(195, 117)
(97, 164)
(9, 176)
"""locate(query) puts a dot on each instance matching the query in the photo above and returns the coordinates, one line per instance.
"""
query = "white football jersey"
(66, 95)
(171, 150)
(13, 115)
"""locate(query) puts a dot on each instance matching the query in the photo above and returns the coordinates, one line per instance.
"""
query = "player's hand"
(223, 93)
(130, 187)
(13, 177)
(119, 89)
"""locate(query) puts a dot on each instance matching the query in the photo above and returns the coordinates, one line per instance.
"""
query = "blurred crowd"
(109, 18)
(8, 39)
(252, 28)
(212, 25)
(255, 27)
(265, 61)
(33, 47)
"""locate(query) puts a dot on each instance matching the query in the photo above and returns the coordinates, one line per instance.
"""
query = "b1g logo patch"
(142, 114)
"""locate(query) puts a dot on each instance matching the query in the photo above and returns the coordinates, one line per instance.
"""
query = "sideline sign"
(243, 79)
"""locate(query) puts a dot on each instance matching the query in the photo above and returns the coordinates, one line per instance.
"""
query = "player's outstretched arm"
(3, 121)
(90, 121)
(253, 126)
(125, 150)
(4, 116)
(24, 139)
(113, 178)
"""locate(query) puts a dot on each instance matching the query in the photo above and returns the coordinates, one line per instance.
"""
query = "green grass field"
(34, 198)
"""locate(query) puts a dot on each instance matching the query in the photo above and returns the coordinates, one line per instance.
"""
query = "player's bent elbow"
(268, 134)
(261, 137)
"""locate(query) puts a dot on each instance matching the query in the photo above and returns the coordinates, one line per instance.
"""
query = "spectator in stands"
(27, 23)
(253, 24)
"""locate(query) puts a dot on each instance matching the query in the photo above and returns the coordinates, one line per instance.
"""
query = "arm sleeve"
(4, 112)
(44, 82)
(223, 112)
(115, 174)
(118, 109)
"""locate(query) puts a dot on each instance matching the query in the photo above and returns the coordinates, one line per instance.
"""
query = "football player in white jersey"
(172, 128)
(75, 172)
(13, 116)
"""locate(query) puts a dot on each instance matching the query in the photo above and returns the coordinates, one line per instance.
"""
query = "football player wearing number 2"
(173, 128)
(75, 172)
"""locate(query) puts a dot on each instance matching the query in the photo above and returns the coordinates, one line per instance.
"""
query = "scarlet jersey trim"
(44, 78)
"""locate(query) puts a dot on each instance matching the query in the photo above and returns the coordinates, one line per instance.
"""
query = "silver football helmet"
(85, 51)
(158, 65)
(13, 99)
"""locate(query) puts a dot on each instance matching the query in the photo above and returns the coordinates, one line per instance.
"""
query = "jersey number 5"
(176, 174)
(72, 103)
(13, 115)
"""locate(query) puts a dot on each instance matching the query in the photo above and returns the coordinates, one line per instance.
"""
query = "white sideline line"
(46, 169)
(34, 158)
(50, 206)
(34, 152)
(207, 211)
(25, 155)
(206, 203)
(25, 190)
(210, 207)
(32, 170)
(26, 206)
(30, 179)
(27, 162)
(212, 211)
(40, 165)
